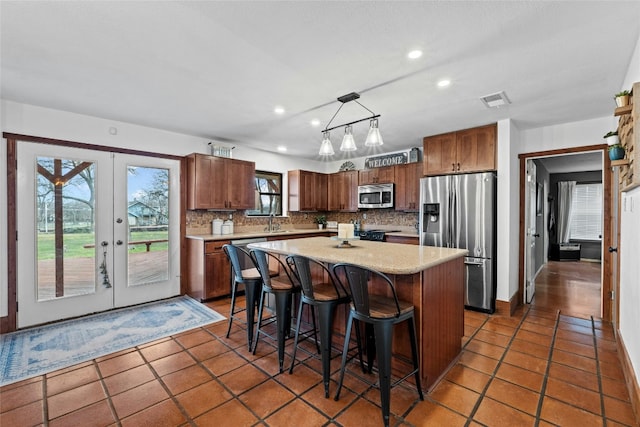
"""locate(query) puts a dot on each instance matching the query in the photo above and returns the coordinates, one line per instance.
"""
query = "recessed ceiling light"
(278, 110)
(315, 122)
(282, 148)
(444, 83)
(414, 54)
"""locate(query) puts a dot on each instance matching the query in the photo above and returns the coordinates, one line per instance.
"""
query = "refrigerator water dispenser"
(431, 222)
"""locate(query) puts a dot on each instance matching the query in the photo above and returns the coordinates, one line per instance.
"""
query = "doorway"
(554, 273)
(97, 230)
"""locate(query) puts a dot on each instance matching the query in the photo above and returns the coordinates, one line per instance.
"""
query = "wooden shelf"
(621, 162)
(620, 111)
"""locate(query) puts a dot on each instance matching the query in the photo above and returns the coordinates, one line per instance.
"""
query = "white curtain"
(565, 198)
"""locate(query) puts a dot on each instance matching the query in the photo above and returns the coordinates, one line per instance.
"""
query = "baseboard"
(631, 379)
(507, 308)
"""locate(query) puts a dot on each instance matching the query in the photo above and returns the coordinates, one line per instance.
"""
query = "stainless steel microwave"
(375, 196)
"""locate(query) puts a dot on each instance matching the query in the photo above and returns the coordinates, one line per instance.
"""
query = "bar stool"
(382, 313)
(251, 280)
(325, 296)
(282, 288)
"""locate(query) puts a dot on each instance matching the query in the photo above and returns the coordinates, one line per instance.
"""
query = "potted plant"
(321, 220)
(612, 138)
(622, 98)
(616, 152)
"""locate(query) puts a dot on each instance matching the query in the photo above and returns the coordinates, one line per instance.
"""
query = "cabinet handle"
(458, 166)
(453, 167)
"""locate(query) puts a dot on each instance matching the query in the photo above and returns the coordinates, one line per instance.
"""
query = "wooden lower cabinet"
(208, 269)
(402, 239)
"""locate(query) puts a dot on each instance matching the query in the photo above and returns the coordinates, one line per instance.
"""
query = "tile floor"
(536, 368)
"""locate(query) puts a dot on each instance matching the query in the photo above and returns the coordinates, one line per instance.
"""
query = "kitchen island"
(430, 277)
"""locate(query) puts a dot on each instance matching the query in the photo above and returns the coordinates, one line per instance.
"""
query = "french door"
(96, 230)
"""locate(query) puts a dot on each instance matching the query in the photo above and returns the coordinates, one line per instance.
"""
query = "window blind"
(586, 212)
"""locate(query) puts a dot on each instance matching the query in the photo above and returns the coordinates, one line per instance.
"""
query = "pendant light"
(374, 139)
(348, 143)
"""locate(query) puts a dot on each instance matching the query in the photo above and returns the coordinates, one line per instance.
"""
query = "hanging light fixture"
(348, 143)
(326, 148)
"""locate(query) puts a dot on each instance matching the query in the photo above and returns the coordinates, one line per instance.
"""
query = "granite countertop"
(390, 258)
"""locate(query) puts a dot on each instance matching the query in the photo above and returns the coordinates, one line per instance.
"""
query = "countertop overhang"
(389, 258)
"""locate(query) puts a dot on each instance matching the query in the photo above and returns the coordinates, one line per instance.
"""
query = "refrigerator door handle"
(466, 262)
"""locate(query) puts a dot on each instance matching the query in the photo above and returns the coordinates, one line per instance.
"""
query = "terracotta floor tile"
(499, 329)
(478, 362)
(302, 411)
(71, 400)
(608, 356)
(485, 349)
(221, 364)
(128, 379)
(428, 413)
(615, 388)
(467, 377)
(203, 398)
(586, 330)
(453, 396)
(560, 413)
(98, 414)
(574, 360)
(138, 398)
(208, 350)
(606, 345)
(574, 336)
(187, 378)
(577, 348)
(523, 377)
(574, 395)
(612, 370)
(329, 406)
(232, 410)
(31, 414)
(20, 396)
(493, 413)
(539, 351)
(402, 397)
(619, 411)
(575, 321)
(20, 384)
(160, 350)
(538, 328)
(473, 321)
(87, 363)
(301, 380)
(71, 379)
(514, 396)
(267, 398)
(165, 413)
(606, 334)
(172, 363)
(493, 338)
(533, 337)
(574, 376)
(269, 364)
(526, 361)
(363, 414)
(194, 337)
(120, 363)
(243, 378)
(538, 320)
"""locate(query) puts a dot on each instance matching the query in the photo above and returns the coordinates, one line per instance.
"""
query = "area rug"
(39, 350)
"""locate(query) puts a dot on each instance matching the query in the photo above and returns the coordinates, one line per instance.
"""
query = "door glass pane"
(148, 221)
(65, 228)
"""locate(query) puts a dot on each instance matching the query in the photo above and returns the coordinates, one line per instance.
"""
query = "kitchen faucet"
(272, 227)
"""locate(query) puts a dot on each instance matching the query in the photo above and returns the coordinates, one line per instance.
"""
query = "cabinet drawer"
(215, 246)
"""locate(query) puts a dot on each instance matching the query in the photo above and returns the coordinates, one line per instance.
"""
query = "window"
(268, 194)
(586, 212)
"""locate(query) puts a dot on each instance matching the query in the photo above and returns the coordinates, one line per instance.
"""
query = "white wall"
(37, 121)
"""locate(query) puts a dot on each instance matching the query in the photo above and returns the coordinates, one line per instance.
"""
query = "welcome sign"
(386, 160)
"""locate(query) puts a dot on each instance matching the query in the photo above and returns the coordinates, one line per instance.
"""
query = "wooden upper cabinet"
(219, 183)
(384, 175)
(307, 191)
(343, 191)
(469, 150)
(407, 190)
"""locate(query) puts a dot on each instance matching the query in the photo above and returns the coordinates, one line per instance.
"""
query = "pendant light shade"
(326, 148)
(374, 138)
(348, 143)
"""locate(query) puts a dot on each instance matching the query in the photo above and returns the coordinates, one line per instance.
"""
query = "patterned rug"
(39, 350)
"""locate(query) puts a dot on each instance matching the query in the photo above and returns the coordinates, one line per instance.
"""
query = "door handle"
(611, 250)
(119, 242)
(536, 235)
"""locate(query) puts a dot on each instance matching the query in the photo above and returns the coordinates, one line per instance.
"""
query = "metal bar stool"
(325, 296)
(282, 288)
(252, 282)
(382, 313)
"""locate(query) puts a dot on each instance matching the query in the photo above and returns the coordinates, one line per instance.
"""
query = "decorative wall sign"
(386, 160)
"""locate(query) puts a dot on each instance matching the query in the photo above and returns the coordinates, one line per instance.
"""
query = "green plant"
(612, 133)
(321, 219)
(623, 93)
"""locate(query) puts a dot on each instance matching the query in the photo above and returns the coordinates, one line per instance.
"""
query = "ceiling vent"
(495, 100)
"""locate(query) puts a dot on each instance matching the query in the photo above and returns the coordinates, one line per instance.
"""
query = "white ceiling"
(218, 69)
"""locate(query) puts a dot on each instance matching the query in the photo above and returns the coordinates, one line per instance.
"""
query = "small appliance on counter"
(227, 227)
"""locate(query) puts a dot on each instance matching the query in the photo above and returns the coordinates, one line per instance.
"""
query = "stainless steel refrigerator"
(459, 211)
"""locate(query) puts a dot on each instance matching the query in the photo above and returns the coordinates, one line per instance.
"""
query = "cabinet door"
(440, 154)
(334, 202)
(217, 275)
(217, 185)
(407, 188)
(198, 176)
(476, 149)
(350, 191)
(321, 191)
(240, 184)
(307, 191)
(366, 176)
(385, 175)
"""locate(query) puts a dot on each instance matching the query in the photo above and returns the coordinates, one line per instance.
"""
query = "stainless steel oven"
(375, 196)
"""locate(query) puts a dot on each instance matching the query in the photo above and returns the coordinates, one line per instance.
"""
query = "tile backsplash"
(199, 221)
